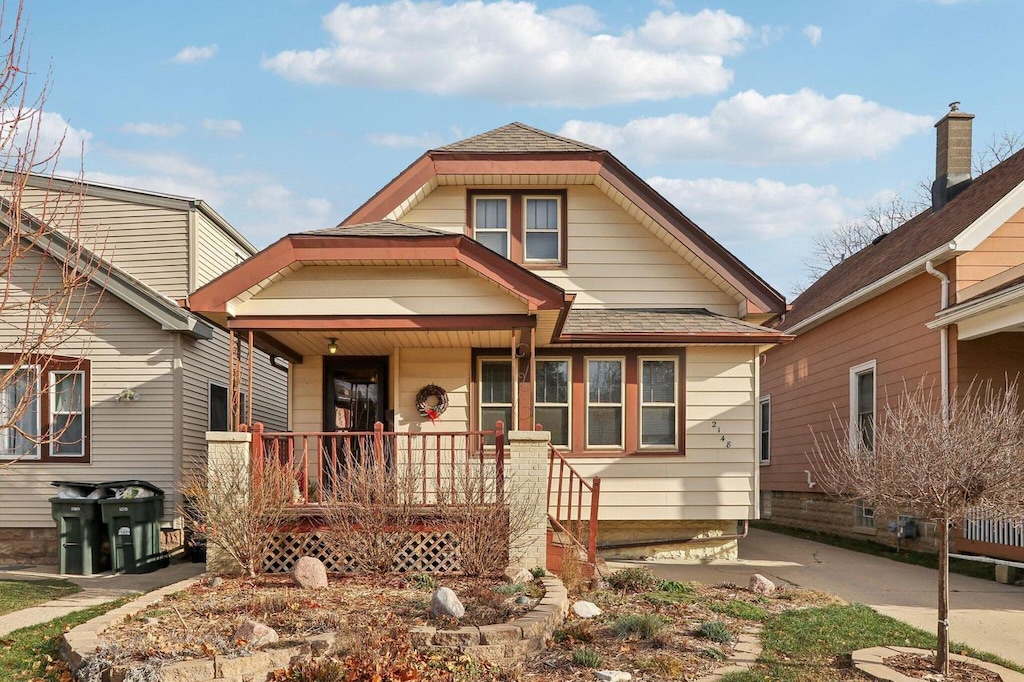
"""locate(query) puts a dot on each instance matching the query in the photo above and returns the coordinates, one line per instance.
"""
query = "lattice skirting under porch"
(425, 552)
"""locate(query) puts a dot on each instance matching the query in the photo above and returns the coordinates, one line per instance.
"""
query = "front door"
(355, 394)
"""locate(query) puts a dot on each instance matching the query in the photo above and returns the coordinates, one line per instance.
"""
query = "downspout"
(943, 337)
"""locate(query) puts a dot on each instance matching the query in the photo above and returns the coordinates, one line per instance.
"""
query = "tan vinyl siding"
(448, 368)
(148, 242)
(129, 440)
(207, 361)
(712, 481)
(396, 290)
(216, 252)
(1002, 250)
(306, 395)
(612, 262)
(809, 379)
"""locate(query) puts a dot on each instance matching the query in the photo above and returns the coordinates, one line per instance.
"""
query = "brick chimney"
(952, 155)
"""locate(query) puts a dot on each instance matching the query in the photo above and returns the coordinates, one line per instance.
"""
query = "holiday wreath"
(432, 401)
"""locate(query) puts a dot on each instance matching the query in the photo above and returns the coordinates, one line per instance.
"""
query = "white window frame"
(863, 516)
(481, 404)
(558, 228)
(855, 373)
(621, 404)
(567, 404)
(36, 453)
(764, 430)
(507, 230)
(53, 413)
(641, 404)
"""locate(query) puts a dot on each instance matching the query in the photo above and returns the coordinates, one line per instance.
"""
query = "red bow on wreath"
(432, 414)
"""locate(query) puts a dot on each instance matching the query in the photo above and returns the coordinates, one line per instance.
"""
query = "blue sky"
(765, 122)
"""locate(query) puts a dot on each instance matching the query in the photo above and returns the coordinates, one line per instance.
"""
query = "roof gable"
(923, 235)
(516, 150)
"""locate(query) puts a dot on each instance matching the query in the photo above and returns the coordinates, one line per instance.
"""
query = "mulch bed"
(922, 667)
(655, 635)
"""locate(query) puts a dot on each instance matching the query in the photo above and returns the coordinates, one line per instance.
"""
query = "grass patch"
(29, 653)
(21, 594)
(739, 609)
(809, 645)
(973, 569)
(634, 579)
(716, 631)
(587, 658)
(642, 626)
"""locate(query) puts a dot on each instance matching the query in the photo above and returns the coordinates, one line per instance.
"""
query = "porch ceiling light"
(332, 347)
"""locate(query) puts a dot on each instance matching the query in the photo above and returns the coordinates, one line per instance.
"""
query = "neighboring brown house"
(940, 297)
(535, 280)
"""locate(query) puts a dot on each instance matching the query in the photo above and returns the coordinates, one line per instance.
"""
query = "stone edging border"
(745, 653)
(505, 643)
(872, 662)
(510, 642)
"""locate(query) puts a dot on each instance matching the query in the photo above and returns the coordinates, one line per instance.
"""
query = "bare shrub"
(370, 508)
(236, 509)
(491, 524)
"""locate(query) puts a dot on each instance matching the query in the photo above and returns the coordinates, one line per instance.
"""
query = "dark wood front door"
(355, 393)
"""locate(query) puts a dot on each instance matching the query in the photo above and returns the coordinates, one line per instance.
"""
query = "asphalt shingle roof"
(655, 320)
(380, 228)
(517, 138)
(921, 234)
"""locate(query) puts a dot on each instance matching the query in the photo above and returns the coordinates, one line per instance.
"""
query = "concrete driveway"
(984, 614)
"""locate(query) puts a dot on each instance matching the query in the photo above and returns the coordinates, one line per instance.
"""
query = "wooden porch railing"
(566, 490)
(432, 466)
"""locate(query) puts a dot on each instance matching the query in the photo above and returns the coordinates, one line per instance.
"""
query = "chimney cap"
(954, 106)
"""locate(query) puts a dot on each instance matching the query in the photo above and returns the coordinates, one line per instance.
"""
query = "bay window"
(552, 396)
(605, 403)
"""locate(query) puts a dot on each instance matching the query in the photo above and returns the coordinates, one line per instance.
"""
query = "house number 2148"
(718, 429)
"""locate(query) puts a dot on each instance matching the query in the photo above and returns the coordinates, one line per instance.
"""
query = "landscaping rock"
(216, 581)
(517, 575)
(586, 609)
(613, 676)
(445, 602)
(309, 573)
(522, 599)
(760, 585)
(256, 634)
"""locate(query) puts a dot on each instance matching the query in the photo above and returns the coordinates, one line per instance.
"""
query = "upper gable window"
(526, 228)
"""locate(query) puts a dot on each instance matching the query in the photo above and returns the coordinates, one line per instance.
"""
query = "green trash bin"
(82, 547)
(133, 526)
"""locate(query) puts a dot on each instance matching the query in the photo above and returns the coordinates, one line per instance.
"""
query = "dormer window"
(525, 227)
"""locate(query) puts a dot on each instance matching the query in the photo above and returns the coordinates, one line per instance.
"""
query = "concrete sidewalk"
(96, 589)
(984, 614)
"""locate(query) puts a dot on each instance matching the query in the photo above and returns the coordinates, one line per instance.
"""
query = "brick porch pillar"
(527, 473)
(227, 457)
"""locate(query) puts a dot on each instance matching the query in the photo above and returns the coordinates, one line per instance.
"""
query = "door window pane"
(495, 395)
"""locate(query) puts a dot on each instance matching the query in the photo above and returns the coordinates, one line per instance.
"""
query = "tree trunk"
(942, 651)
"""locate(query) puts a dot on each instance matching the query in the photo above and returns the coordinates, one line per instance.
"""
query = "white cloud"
(762, 210)
(750, 128)
(813, 34)
(194, 55)
(288, 212)
(422, 142)
(154, 129)
(223, 127)
(482, 49)
(43, 138)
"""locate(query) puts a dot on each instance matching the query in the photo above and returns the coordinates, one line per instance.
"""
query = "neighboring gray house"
(142, 344)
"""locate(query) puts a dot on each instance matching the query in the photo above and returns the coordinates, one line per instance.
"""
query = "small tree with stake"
(940, 463)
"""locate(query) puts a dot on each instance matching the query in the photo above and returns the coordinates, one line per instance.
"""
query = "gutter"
(879, 286)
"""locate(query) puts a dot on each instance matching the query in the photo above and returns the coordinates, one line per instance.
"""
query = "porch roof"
(1001, 309)
(659, 325)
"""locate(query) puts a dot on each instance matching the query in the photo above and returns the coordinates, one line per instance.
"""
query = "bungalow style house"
(140, 385)
(941, 297)
(521, 277)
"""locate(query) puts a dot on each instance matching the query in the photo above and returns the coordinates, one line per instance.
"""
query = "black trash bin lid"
(133, 483)
(77, 484)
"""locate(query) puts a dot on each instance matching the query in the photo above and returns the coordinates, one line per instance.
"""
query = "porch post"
(527, 482)
(524, 368)
(227, 457)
